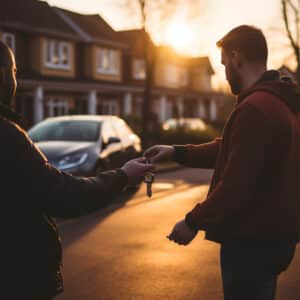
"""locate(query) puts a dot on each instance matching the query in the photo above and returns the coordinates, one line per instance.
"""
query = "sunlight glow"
(191, 36)
(179, 36)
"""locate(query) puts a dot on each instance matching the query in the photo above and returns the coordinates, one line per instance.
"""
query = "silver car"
(86, 144)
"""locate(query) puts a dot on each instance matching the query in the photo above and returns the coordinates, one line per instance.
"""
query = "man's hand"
(136, 169)
(160, 153)
(182, 234)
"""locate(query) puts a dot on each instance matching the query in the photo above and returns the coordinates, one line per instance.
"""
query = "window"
(108, 61)
(56, 107)
(139, 69)
(65, 131)
(172, 74)
(9, 40)
(184, 77)
(108, 107)
(57, 54)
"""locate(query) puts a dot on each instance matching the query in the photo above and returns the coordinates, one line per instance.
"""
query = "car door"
(111, 150)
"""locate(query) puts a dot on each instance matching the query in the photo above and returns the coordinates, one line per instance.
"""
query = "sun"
(179, 36)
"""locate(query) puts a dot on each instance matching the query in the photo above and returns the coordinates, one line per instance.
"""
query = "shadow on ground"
(86, 223)
(72, 230)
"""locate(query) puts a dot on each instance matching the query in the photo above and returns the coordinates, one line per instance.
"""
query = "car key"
(149, 178)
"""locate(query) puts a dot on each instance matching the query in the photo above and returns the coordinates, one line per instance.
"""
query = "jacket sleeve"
(198, 156)
(249, 145)
(57, 193)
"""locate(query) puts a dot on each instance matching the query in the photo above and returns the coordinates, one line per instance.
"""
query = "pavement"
(167, 166)
(122, 253)
(160, 187)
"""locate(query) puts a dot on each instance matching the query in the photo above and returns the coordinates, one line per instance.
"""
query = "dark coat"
(255, 192)
(32, 193)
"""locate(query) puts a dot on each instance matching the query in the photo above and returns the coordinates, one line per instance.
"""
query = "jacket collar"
(282, 87)
(267, 76)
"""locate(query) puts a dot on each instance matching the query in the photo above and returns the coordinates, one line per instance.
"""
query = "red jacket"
(255, 190)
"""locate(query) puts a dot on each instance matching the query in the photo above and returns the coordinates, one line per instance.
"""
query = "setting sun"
(179, 36)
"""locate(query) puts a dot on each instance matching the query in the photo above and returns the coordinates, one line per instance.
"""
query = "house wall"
(201, 79)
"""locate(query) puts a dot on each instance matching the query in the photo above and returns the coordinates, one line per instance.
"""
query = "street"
(122, 252)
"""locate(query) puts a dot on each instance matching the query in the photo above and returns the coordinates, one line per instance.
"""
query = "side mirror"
(113, 140)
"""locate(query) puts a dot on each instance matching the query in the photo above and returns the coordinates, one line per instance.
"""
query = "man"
(253, 205)
(32, 193)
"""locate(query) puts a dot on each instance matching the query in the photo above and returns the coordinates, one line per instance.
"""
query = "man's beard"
(7, 96)
(234, 80)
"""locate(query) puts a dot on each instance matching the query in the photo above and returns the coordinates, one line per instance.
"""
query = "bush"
(134, 121)
(154, 127)
(186, 136)
(180, 135)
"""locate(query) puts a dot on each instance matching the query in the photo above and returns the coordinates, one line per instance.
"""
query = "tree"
(149, 57)
(291, 18)
(162, 11)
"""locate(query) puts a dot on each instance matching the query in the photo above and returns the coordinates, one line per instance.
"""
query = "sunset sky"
(195, 25)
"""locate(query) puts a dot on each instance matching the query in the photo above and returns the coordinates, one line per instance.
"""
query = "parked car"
(84, 144)
(184, 123)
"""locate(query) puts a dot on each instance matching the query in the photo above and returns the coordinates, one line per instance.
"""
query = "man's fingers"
(173, 235)
(170, 236)
(156, 158)
(142, 162)
(146, 166)
(176, 240)
(141, 159)
(151, 151)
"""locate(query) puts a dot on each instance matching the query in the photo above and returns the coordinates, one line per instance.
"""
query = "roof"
(202, 61)
(135, 38)
(34, 16)
(131, 35)
(92, 28)
(167, 53)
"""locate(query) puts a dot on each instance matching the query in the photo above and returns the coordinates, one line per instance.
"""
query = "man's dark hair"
(248, 40)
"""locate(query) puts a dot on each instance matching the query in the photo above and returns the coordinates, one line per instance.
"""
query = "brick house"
(44, 47)
(70, 63)
(181, 85)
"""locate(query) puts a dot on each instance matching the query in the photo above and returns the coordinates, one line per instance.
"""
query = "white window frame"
(111, 107)
(139, 69)
(6, 36)
(50, 45)
(58, 103)
(113, 61)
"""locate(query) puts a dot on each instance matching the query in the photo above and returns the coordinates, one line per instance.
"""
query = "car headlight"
(71, 161)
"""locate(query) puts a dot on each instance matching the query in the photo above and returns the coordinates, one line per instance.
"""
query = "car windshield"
(69, 130)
